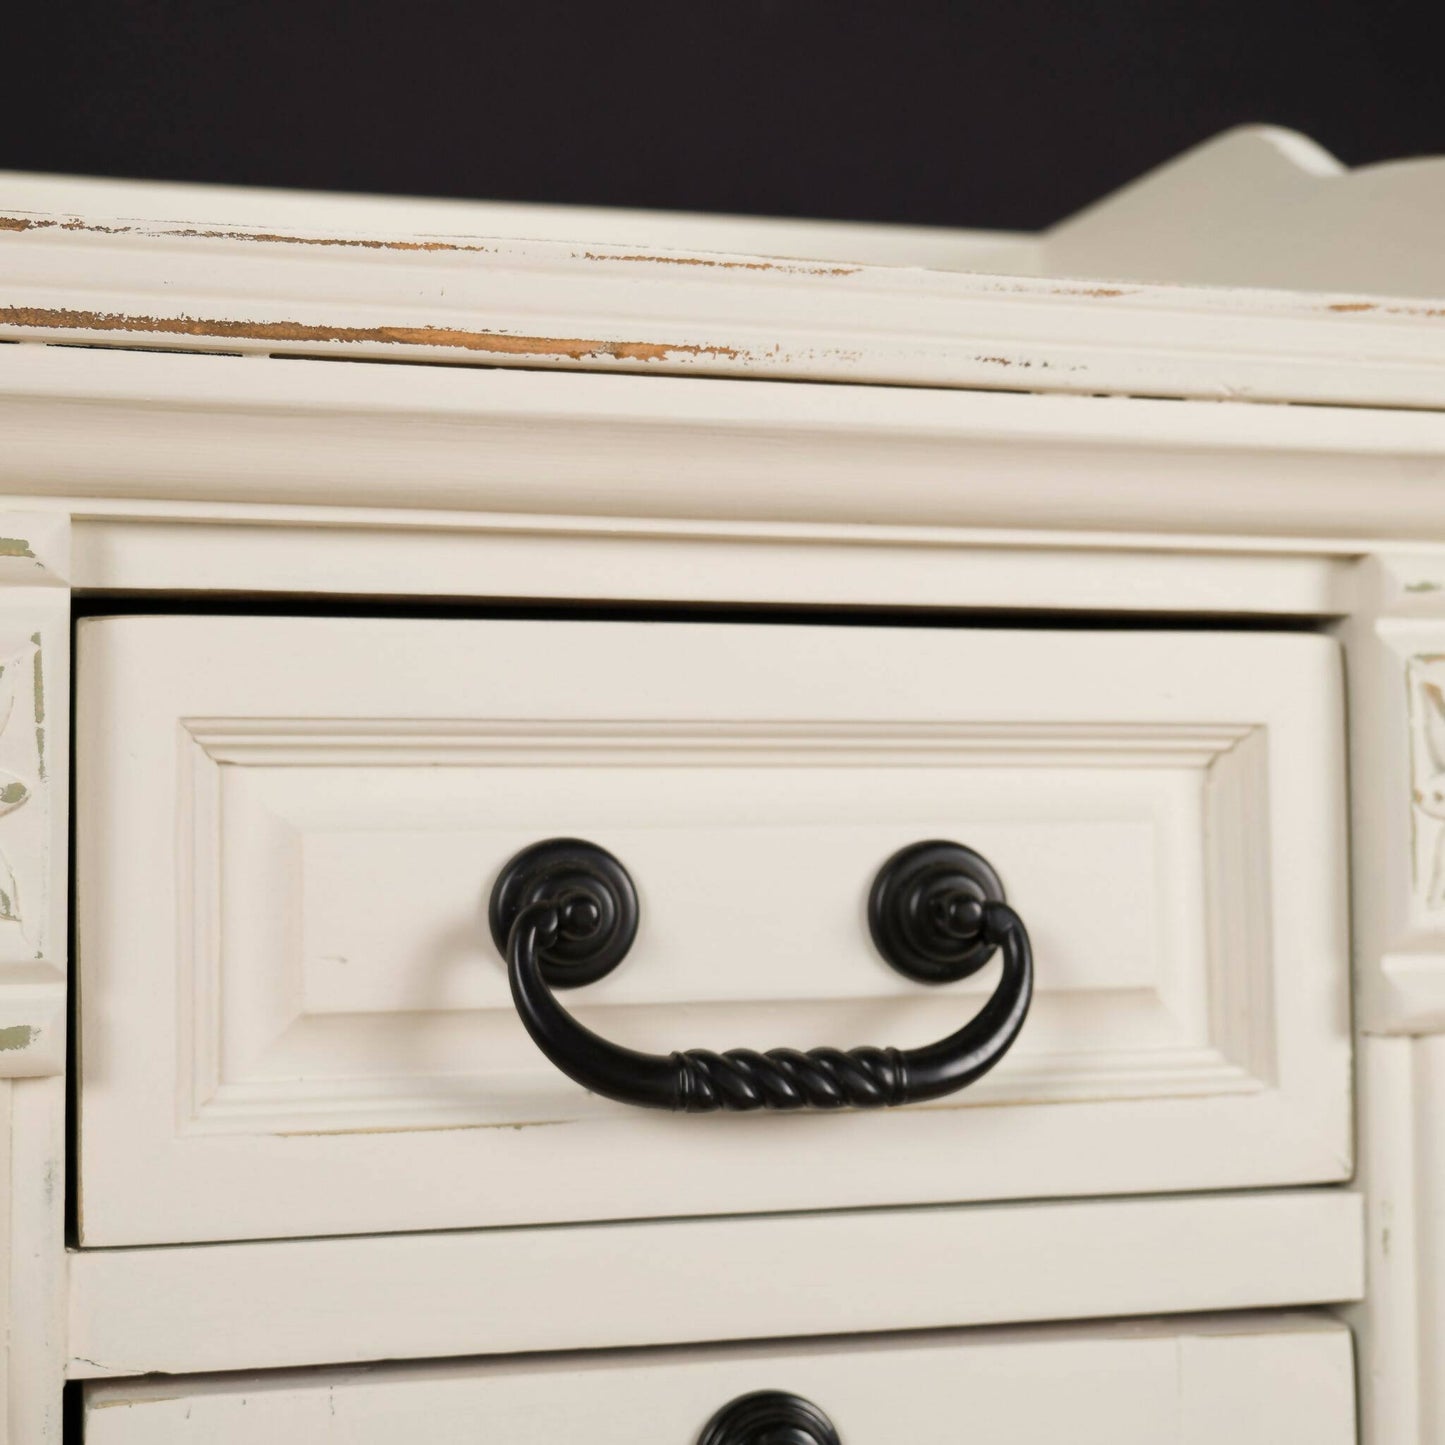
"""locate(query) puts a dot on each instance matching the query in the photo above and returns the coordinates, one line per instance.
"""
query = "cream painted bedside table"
(722, 572)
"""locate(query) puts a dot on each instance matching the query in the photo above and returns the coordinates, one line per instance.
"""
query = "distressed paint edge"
(1079, 363)
(287, 333)
(34, 549)
(20, 221)
(32, 1030)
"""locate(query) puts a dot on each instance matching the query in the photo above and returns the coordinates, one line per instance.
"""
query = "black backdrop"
(1007, 114)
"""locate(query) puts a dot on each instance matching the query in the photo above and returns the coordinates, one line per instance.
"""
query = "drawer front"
(294, 1020)
(1250, 1383)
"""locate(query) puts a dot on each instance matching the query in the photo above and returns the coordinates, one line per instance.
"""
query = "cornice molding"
(182, 430)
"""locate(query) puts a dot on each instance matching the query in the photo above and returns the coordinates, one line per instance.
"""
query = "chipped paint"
(27, 223)
(17, 1036)
(1038, 286)
(39, 689)
(1100, 291)
(789, 268)
(497, 343)
(1024, 361)
(366, 243)
(1348, 307)
(15, 547)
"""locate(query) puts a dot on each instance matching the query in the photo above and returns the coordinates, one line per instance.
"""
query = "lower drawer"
(1251, 1381)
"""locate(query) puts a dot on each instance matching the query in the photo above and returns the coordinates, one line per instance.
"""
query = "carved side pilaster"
(1400, 1326)
(1396, 661)
(34, 818)
(1395, 655)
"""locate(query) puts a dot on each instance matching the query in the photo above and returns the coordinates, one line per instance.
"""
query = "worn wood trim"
(332, 213)
(503, 302)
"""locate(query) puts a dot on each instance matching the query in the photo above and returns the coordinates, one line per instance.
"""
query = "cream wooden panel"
(1402, 1179)
(466, 555)
(294, 1021)
(1251, 1382)
(665, 1282)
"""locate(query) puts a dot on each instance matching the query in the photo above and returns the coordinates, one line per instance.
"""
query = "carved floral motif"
(1429, 770)
(15, 791)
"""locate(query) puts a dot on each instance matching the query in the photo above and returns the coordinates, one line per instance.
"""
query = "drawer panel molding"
(294, 1085)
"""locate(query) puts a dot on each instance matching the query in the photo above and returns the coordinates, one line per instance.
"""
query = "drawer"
(1251, 1382)
(294, 1020)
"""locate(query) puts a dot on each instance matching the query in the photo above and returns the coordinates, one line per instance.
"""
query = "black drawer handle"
(769, 1417)
(564, 913)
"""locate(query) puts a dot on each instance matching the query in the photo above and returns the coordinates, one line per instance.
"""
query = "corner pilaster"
(34, 861)
(1395, 651)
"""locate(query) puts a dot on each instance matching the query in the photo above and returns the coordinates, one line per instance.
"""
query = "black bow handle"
(564, 913)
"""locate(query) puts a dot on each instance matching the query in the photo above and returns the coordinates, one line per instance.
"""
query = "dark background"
(1004, 114)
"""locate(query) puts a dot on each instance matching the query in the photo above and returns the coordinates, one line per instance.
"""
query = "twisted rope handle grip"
(698, 1081)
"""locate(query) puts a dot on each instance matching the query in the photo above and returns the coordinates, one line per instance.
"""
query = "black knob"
(769, 1417)
(925, 911)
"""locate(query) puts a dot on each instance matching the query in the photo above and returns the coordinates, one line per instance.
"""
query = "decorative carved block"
(1427, 760)
(34, 697)
(1396, 666)
(34, 857)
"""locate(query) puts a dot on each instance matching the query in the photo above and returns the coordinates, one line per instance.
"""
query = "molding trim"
(256, 1093)
(493, 301)
(604, 452)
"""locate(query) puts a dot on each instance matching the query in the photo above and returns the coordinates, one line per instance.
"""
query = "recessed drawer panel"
(294, 1019)
(1250, 1382)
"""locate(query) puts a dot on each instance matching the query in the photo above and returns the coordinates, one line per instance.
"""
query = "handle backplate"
(569, 868)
